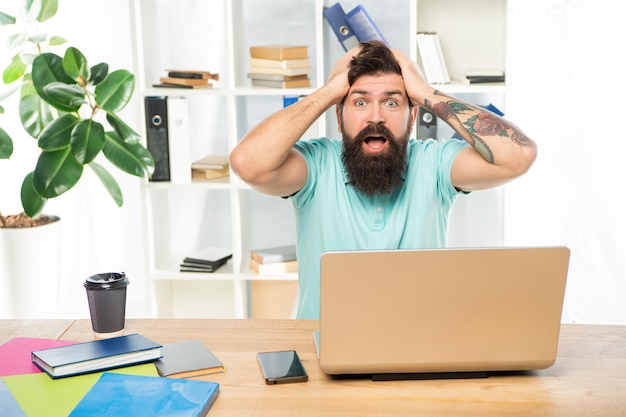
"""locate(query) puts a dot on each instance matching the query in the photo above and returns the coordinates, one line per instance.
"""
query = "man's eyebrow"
(387, 93)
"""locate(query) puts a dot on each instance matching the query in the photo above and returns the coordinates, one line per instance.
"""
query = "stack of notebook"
(207, 260)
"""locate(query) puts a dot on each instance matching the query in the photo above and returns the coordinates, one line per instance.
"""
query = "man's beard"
(375, 174)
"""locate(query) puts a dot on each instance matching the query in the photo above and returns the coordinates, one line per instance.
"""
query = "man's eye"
(359, 103)
(391, 103)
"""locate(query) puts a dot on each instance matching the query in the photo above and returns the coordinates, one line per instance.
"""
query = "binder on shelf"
(168, 138)
(426, 124)
(363, 25)
(156, 136)
(336, 18)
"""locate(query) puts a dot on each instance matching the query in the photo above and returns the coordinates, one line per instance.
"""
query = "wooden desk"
(588, 379)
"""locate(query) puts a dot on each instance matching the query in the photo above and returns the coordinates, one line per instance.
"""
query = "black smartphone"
(282, 367)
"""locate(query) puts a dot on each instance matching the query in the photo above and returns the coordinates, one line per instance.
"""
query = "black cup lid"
(107, 281)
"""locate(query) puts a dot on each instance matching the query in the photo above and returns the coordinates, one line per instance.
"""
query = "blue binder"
(363, 26)
(336, 17)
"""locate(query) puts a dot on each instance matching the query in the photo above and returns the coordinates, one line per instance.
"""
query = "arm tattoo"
(478, 125)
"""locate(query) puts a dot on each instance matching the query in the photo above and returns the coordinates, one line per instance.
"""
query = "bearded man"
(376, 188)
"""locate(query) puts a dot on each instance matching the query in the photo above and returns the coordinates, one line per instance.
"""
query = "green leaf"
(132, 158)
(122, 129)
(114, 93)
(56, 172)
(98, 73)
(6, 19)
(8, 92)
(14, 70)
(48, 9)
(35, 114)
(87, 140)
(16, 40)
(58, 134)
(6, 145)
(48, 68)
(109, 183)
(56, 40)
(32, 202)
(75, 65)
(63, 96)
(41, 37)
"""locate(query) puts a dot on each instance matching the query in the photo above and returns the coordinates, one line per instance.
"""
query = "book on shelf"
(274, 254)
(274, 268)
(277, 77)
(279, 51)
(282, 71)
(96, 355)
(208, 174)
(39, 395)
(210, 167)
(484, 76)
(281, 84)
(431, 58)
(194, 74)
(170, 85)
(199, 267)
(184, 81)
(279, 63)
(217, 162)
(187, 359)
(119, 395)
(16, 354)
(210, 256)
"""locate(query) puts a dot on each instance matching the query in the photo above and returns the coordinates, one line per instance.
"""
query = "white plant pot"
(30, 272)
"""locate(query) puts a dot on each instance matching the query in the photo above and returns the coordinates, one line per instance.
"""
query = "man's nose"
(376, 115)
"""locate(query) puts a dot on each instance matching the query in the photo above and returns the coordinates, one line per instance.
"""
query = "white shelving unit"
(215, 36)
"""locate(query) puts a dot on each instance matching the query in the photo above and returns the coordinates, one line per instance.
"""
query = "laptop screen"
(441, 310)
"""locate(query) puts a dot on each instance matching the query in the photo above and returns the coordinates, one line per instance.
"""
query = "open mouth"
(375, 143)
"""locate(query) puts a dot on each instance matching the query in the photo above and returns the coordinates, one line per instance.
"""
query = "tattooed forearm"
(474, 124)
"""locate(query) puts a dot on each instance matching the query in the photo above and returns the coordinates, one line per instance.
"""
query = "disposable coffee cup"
(106, 294)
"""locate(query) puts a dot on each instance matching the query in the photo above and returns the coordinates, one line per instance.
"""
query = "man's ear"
(413, 117)
(338, 111)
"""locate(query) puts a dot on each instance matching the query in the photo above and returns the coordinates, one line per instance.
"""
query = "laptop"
(395, 313)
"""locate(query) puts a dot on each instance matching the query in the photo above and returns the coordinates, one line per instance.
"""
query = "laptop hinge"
(428, 375)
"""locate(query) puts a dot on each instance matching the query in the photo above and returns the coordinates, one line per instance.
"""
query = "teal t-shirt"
(332, 215)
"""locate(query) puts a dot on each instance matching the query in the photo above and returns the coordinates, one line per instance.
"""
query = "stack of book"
(432, 59)
(484, 76)
(118, 376)
(210, 167)
(206, 260)
(280, 66)
(187, 79)
(274, 260)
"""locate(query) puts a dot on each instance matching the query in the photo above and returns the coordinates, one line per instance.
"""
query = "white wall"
(566, 86)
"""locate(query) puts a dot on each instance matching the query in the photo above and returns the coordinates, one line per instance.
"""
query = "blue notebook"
(97, 355)
(10, 407)
(117, 395)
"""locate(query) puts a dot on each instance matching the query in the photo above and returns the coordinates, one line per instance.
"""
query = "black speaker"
(426, 124)
(157, 136)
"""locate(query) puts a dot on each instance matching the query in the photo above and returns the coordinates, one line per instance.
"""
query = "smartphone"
(282, 367)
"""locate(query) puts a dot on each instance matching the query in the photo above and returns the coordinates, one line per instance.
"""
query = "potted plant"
(71, 110)
(65, 105)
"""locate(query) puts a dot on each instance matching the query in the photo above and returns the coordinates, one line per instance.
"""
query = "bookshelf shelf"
(181, 218)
